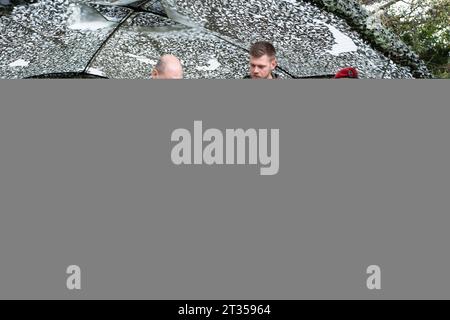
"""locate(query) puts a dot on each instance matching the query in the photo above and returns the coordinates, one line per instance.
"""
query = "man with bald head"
(168, 67)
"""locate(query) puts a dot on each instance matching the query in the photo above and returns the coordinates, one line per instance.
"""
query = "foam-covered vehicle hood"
(124, 38)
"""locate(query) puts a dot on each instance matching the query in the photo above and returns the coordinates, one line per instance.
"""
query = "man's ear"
(154, 73)
(274, 63)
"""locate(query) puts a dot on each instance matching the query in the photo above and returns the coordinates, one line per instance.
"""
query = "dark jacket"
(274, 76)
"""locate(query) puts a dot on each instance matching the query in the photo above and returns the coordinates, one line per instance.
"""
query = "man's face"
(262, 67)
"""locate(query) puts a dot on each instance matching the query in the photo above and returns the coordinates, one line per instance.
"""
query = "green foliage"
(424, 26)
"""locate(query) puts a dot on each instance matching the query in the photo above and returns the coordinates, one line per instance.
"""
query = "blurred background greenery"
(424, 25)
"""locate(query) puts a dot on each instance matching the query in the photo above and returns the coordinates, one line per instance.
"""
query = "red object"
(347, 73)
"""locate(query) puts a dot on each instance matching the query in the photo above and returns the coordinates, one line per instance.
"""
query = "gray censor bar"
(126, 189)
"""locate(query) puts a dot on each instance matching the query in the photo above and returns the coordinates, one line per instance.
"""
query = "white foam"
(96, 72)
(19, 63)
(83, 17)
(89, 26)
(170, 7)
(213, 64)
(142, 59)
(343, 43)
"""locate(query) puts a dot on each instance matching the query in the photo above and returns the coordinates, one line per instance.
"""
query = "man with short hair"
(168, 67)
(263, 61)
